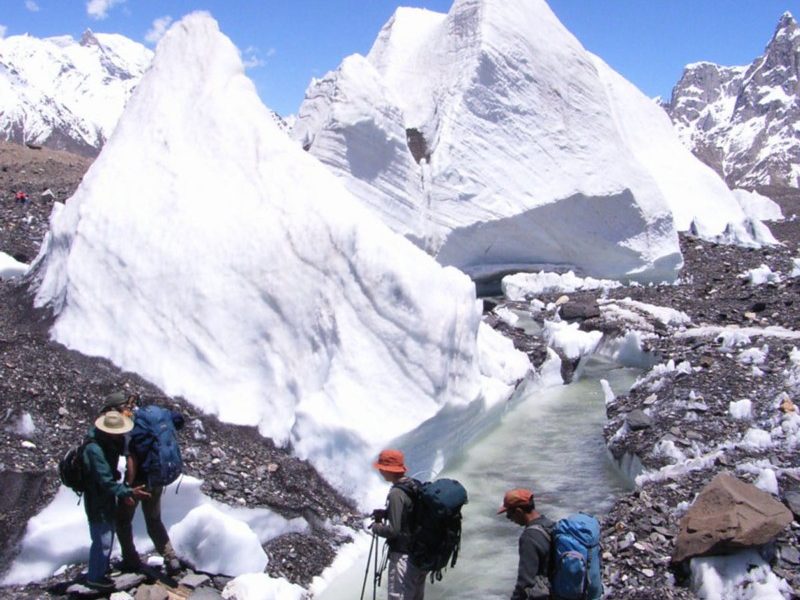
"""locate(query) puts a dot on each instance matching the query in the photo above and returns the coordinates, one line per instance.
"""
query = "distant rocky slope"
(45, 176)
(743, 121)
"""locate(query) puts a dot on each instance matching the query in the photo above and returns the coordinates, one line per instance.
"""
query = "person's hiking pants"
(151, 509)
(102, 535)
(406, 582)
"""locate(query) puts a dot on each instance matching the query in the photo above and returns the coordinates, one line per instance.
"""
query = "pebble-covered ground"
(61, 390)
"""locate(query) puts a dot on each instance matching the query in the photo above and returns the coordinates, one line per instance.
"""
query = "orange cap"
(392, 461)
(516, 498)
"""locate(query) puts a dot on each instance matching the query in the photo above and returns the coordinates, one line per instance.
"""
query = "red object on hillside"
(21, 197)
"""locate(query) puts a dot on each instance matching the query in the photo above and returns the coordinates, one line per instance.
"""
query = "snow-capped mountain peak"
(67, 94)
(743, 121)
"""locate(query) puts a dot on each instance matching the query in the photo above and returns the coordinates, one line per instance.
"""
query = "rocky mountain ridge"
(67, 94)
(743, 120)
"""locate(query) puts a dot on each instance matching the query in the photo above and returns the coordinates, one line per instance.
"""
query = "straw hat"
(114, 423)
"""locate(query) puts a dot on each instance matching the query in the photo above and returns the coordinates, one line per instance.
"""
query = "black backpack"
(435, 523)
(70, 468)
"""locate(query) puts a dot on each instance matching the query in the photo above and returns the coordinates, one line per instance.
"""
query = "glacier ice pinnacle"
(491, 138)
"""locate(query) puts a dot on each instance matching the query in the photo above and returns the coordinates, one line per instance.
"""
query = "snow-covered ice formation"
(59, 536)
(496, 142)
(207, 252)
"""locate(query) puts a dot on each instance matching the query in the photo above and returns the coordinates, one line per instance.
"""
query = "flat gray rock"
(205, 593)
(127, 581)
(638, 419)
(194, 580)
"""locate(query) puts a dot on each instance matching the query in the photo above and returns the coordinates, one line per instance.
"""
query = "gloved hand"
(379, 514)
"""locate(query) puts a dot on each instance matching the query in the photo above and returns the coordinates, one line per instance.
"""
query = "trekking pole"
(379, 570)
(376, 576)
(364, 585)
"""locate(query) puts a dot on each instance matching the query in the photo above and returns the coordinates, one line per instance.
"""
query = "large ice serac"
(491, 138)
(67, 94)
(206, 251)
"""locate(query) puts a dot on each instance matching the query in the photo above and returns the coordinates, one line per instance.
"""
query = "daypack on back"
(70, 468)
(436, 524)
(575, 572)
(154, 443)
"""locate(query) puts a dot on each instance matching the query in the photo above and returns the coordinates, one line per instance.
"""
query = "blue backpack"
(155, 444)
(575, 572)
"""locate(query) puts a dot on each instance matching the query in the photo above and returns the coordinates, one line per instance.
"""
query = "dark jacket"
(534, 561)
(397, 527)
(100, 466)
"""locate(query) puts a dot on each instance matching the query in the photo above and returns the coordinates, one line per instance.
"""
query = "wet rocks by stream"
(675, 429)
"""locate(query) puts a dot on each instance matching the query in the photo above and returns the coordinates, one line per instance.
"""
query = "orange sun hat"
(391, 461)
(517, 498)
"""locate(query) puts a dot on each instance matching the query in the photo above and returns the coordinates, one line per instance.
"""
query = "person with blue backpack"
(406, 581)
(533, 583)
(557, 561)
(153, 461)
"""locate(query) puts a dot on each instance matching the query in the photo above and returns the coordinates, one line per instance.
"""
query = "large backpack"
(70, 468)
(435, 524)
(575, 572)
(155, 445)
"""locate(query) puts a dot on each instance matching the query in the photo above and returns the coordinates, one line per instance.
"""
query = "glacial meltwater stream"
(550, 441)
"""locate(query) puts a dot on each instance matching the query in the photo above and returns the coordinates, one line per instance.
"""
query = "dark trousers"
(151, 508)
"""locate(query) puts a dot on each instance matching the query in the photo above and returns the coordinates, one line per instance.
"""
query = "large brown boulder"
(729, 515)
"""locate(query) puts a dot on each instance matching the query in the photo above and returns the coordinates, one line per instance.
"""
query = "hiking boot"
(173, 565)
(171, 562)
(129, 566)
(104, 584)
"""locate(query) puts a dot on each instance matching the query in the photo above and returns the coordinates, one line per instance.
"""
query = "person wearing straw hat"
(406, 581)
(100, 457)
(519, 507)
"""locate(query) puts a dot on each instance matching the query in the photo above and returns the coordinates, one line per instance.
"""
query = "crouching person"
(406, 582)
(534, 545)
(106, 442)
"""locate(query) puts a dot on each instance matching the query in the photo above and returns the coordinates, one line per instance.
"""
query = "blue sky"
(287, 42)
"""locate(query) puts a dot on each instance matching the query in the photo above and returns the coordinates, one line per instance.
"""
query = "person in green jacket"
(103, 488)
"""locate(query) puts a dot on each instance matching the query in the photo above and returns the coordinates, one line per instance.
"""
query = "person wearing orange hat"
(519, 506)
(406, 581)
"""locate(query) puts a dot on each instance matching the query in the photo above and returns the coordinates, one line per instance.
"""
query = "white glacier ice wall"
(207, 252)
(496, 142)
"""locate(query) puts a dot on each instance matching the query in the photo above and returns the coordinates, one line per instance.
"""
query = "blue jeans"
(102, 535)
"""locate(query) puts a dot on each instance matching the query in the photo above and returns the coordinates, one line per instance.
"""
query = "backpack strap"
(411, 487)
